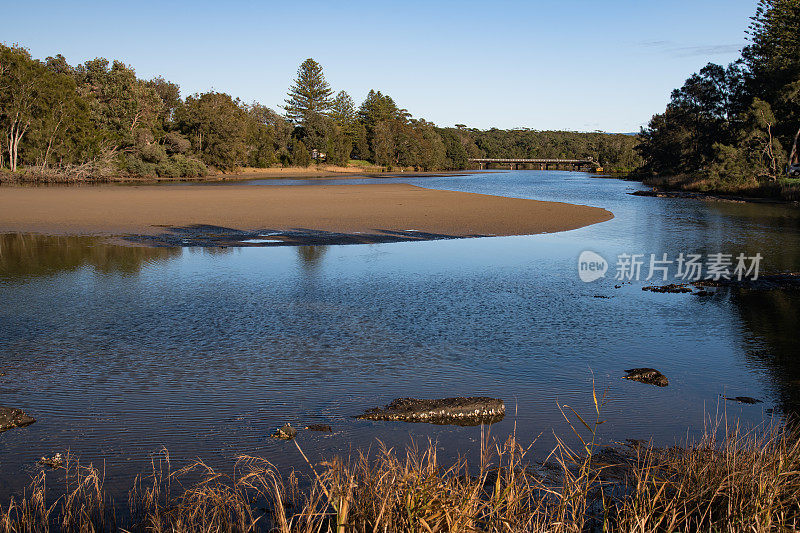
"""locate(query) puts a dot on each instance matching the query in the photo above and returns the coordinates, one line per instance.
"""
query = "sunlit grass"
(730, 480)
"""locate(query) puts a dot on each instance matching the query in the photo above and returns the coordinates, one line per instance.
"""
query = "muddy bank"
(392, 210)
(715, 197)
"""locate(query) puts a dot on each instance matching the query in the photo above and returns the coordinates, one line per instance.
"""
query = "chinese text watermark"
(683, 267)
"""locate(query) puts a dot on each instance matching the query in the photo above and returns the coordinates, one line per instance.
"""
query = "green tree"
(217, 126)
(773, 56)
(757, 153)
(343, 114)
(20, 103)
(300, 155)
(309, 94)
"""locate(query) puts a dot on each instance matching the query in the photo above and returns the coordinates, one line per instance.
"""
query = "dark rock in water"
(13, 418)
(458, 411)
(743, 399)
(287, 432)
(703, 292)
(651, 376)
(319, 427)
(672, 287)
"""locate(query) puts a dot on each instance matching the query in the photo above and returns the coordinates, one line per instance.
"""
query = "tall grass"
(731, 480)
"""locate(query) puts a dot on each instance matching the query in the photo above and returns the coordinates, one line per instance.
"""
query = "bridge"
(542, 164)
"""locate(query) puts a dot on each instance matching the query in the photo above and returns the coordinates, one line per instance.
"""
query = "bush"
(189, 167)
(175, 143)
(153, 153)
(168, 169)
(136, 167)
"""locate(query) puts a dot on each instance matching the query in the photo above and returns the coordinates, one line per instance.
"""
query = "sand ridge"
(147, 209)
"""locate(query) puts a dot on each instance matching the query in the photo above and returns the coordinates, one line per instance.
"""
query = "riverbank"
(35, 176)
(343, 209)
(786, 191)
(734, 481)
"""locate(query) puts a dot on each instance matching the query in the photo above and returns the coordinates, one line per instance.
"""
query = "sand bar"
(122, 210)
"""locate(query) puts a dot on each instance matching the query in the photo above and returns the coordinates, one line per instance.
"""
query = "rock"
(458, 411)
(319, 427)
(651, 376)
(672, 287)
(287, 432)
(743, 399)
(57, 461)
(703, 292)
(13, 418)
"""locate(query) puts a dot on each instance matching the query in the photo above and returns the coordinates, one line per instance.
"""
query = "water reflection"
(311, 256)
(213, 348)
(771, 319)
(31, 255)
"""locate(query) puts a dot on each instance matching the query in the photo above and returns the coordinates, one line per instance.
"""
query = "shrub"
(153, 153)
(175, 143)
(168, 169)
(136, 167)
(189, 167)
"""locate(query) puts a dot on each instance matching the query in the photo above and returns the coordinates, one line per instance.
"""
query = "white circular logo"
(591, 266)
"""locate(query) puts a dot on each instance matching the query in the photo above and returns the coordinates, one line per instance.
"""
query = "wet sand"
(344, 209)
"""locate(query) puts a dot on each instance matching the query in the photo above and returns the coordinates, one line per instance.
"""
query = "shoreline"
(245, 174)
(396, 211)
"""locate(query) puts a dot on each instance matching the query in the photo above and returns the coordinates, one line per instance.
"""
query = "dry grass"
(739, 481)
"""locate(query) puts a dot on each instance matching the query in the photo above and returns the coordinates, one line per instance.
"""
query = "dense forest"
(98, 120)
(736, 126)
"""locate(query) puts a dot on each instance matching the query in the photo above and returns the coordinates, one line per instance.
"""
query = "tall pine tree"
(309, 94)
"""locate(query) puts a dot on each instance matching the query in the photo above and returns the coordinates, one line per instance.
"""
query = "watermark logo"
(683, 267)
(591, 266)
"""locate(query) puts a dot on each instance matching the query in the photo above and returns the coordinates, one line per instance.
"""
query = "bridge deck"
(555, 161)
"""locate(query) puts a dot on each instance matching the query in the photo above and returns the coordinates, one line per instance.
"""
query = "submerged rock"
(651, 376)
(319, 427)
(57, 461)
(287, 432)
(743, 399)
(11, 417)
(458, 411)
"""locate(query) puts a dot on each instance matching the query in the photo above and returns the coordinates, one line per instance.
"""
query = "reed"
(730, 480)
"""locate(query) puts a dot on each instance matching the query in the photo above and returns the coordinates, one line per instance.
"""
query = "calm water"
(120, 351)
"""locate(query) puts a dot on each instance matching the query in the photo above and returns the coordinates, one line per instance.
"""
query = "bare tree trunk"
(17, 131)
(794, 159)
(50, 142)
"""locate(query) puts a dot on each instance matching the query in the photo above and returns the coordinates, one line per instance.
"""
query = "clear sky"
(548, 64)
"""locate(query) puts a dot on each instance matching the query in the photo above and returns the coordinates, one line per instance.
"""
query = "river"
(121, 351)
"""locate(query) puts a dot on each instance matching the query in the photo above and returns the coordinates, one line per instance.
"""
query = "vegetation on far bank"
(735, 129)
(98, 121)
(731, 129)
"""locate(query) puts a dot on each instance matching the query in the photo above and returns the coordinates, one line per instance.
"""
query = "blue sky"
(570, 64)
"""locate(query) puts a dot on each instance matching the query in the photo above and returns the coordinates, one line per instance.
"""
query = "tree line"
(98, 119)
(735, 125)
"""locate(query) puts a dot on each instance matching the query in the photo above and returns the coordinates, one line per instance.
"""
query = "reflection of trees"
(311, 256)
(771, 319)
(26, 255)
